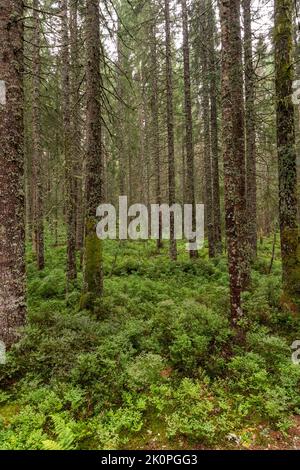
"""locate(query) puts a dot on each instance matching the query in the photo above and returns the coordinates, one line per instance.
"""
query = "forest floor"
(154, 367)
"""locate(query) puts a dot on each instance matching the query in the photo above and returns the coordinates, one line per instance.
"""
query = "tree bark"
(12, 205)
(93, 277)
(250, 131)
(121, 117)
(76, 132)
(286, 145)
(233, 151)
(155, 125)
(214, 129)
(190, 177)
(170, 128)
(38, 189)
(68, 156)
(209, 214)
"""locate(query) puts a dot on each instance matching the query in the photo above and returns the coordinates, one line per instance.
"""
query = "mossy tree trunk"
(120, 119)
(68, 154)
(234, 152)
(250, 131)
(286, 144)
(37, 160)
(297, 110)
(76, 131)
(189, 140)
(205, 103)
(155, 122)
(93, 278)
(12, 216)
(170, 127)
(214, 127)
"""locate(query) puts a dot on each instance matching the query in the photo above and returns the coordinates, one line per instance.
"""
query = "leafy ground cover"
(155, 365)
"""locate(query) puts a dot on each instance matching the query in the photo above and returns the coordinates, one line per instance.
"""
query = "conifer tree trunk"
(214, 128)
(120, 117)
(233, 151)
(208, 189)
(297, 116)
(76, 146)
(68, 156)
(289, 230)
(93, 279)
(155, 125)
(12, 205)
(170, 128)
(37, 160)
(250, 131)
(190, 177)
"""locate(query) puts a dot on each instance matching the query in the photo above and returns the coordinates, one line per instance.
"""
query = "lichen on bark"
(286, 147)
(93, 284)
(12, 226)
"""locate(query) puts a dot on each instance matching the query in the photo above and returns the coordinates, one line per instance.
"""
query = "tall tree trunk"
(289, 230)
(28, 184)
(170, 129)
(68, 156)
(155, 126)
(36, 145)
(297, 113)
(183, 164)
(145, 143)
(93, 278)
(76, 147)
(233, 150)
(214, 128)
(209, 214)
(12, 205)
(250, 131)
(190, 178)
(121, 117)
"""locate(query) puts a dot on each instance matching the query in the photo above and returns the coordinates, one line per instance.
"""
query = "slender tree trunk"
(190, 178)
(233, 151)
(214, 129)
(76, 146)
(12, 205)
(170, 129)
(28, 187)
(93, 278)
(207, 142)
(68, 156)
(250, 131)
(37, 146)
(155, 126)
(56, 190)
(120, 117)
(130, 174)
(145, 144)
(289, 230)
(297, 111)
(183, 164)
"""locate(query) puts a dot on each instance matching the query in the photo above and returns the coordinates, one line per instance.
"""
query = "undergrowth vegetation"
(155, 366)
